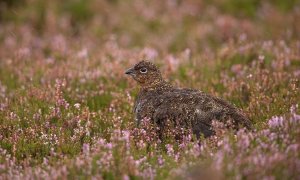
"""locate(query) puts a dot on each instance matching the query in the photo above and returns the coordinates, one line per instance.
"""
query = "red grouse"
(186, 108)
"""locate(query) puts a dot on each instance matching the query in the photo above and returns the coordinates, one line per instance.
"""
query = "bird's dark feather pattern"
(187, 108)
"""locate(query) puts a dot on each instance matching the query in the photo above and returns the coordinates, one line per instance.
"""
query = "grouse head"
(146, 74)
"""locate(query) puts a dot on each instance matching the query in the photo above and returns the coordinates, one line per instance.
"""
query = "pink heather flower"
(186, 54)
(149, 173)
(243, 140)
(186, 140)
(45, 161)
(101, 141)
(60, 101)
(109, 145)
(182, 145)
(125, 177)
(77, 106)
(126, 135)
(160, 160)
(140, 161)
(220, 143)
(294, 148)
(295, 119)
(269, 178)
(105, 161)
(79, 162)
(275, 122)
(2, 106)
(86, 148)
(23, 52)
(196, 149)
(243, 37)
(296, 73)
(59, 43)
(50, 60)
(149, 53)
(237, 69)
(226, 146)
(170, 150)
(219, 160)
(172, 62)
(141, 144)
(83, 54)
(261, 57)
(176, 157)
(293, 108)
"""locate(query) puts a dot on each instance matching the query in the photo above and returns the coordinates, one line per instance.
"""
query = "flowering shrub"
(66, 105)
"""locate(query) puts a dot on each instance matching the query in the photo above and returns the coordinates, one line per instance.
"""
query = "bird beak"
(129, 71)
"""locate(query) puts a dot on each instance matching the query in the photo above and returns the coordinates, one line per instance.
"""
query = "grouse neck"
(161, 85)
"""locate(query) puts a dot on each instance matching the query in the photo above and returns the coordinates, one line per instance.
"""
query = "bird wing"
(194, 108)
(185, 108)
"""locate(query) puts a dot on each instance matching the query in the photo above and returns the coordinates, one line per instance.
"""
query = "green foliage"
(250, 8)
(31, 149)
(285, 6)
(98, 102)
(12, 3)
(65, 101)
(78, 9)
(247, 8)
(8, 78)
(244, 59)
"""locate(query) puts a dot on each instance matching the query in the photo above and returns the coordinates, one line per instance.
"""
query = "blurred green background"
(194, 24)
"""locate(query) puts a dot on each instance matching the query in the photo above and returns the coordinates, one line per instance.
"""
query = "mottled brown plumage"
(187, 108)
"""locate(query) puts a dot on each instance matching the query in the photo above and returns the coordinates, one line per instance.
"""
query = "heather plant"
(66, 105)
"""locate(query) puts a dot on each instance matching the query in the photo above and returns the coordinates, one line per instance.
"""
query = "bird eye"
(143, 70)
